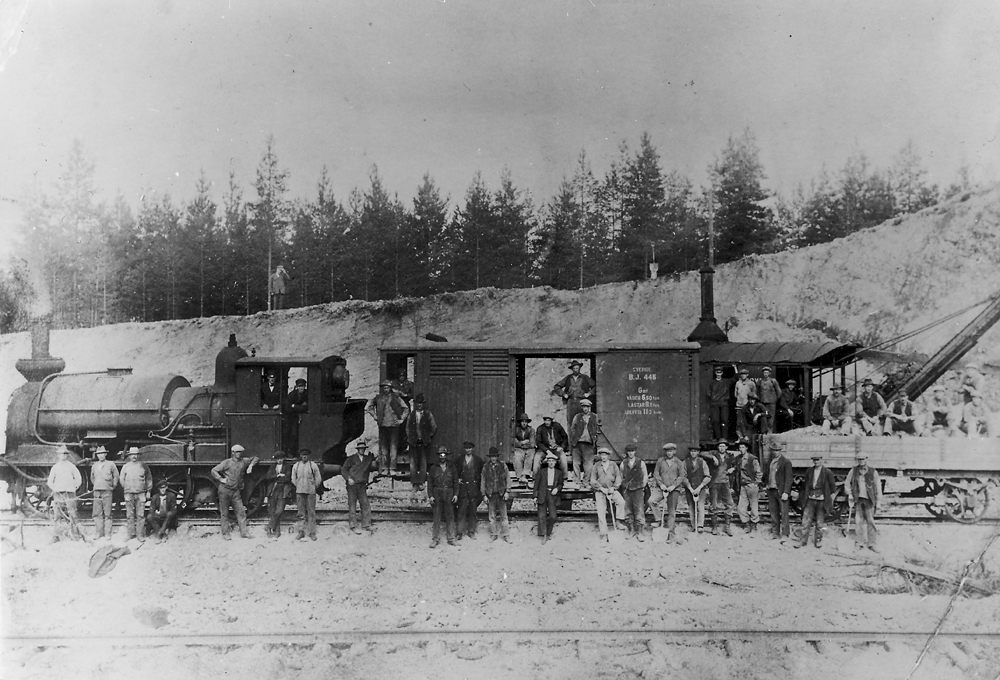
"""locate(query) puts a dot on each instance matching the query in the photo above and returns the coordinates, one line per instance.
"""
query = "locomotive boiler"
(181, 430)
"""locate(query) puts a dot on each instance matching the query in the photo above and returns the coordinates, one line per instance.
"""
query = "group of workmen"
(761, 406)
(954, 407)
(136, 482)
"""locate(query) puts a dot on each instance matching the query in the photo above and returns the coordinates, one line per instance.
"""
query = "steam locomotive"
(181, 430)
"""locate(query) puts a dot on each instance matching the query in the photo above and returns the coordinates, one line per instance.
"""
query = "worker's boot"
(818, 540)
(803, 540)
(727, 529)
(715, 526)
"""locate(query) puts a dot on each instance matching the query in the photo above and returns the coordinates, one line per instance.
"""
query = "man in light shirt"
(605, 478)
(306, 478)
(64, 480)
(136, 481)
(103, 480)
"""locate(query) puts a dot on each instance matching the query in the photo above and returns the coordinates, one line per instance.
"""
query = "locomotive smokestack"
(707, 331)
(40, 365)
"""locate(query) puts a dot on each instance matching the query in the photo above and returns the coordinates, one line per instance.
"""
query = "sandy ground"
(387, 606)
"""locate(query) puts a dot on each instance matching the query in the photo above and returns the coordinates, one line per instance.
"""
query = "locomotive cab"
(292, 403)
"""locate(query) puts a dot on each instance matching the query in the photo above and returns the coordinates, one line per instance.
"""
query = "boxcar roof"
(539, 349)
(278, 361)
(815, 353)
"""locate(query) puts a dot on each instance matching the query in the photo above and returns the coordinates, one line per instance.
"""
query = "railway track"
(423, 515)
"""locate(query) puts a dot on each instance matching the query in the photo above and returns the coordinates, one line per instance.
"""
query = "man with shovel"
(668, 479)
(605, 478)
(356, 471)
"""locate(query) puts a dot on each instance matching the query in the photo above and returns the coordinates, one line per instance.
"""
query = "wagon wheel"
(936, 510)
(256, 498)
(967, 501)
(36, 500)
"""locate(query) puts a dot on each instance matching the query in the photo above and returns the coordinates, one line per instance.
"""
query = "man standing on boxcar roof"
(307, 478)
(136, 481)
(390, 412)
(228, 476)
(356, 471)
(64, 480)
(572, 389)
(103, 479)
(441, 495)
(278, 286)
(864, 495)
(495, 481)
(817, 495)
(420, 430)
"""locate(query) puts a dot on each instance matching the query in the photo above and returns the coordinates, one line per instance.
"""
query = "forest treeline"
(110, 262)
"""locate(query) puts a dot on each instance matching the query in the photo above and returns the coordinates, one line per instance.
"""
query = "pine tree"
(643, 224)
(427, 224)
(269, 225)
(743, 223)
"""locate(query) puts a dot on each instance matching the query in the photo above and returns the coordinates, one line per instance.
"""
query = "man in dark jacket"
(574, 388)
(441, 496)
(583, 442)
(282, 491)
(718, 393)
(550, 437)
(468, 478)
(548, 486)
(720, 493)
(270, 392)
(356, 471)
(769, 393)
(779, 486)
(634, 481)
(296, 404)
(817, 496)
(696, 479)
(420, 430)
(162, 515)
(494, 487)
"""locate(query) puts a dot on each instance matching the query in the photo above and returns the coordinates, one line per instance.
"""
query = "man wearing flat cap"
(583, 441)
(769, 393)
(103, 480)
(634, 482)
(281, 491)
(836, 412)
(356, 471)
(494, 487)
(790, 408)
(817, 501)
(548, 486)
(270, 392)
(718, 394)
(573, 388)
(605, 479)
(779, 488)
(665, 491)
(441, 494)
(864, 495)
(390, 412)
(229, 476)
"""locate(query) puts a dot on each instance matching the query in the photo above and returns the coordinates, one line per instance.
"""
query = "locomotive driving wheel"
(965, 500)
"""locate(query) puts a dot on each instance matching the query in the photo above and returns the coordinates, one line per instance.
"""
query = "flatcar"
(181, 430)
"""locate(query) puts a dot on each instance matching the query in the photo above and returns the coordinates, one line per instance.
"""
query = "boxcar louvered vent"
(490, 365)
(447, 366)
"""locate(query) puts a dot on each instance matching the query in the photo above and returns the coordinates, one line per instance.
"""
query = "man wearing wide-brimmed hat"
(136, 480)
(162, 515)
(573, 388)
(818, 493)
(779, 488)
(421, 427)
(103, 480)
(524, 447)
(870, 409)
(548, 486)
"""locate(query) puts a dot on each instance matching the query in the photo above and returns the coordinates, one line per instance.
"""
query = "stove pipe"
(707, 332)
(40, 365)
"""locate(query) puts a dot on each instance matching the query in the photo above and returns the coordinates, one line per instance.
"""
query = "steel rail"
(594, 634)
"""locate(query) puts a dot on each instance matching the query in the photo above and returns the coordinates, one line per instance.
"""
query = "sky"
(158, 92)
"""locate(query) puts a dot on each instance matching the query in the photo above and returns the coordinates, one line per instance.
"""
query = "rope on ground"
(951, 603)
